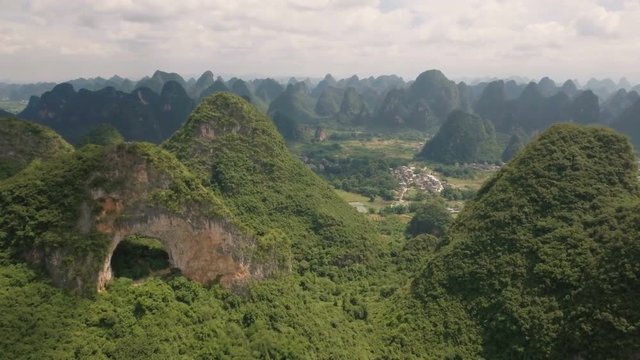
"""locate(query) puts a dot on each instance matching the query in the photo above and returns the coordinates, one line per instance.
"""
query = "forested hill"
(544, 260)
(152, 108)
(22, 142)
(237, 150)
(263, 260)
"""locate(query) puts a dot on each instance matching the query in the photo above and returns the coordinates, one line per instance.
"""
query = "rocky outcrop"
(131, 189)
(205, 250)
(238, 152)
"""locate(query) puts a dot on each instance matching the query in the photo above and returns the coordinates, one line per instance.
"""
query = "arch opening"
(138, 257)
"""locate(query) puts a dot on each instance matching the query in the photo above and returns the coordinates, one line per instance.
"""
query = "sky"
(56, 40)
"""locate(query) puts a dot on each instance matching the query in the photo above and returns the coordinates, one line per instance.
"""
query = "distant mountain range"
(141, 115)
(154, 107)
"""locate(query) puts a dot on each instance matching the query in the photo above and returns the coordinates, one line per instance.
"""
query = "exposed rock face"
(200, 241)
(202, 251)
(130, 189)
(242, 157)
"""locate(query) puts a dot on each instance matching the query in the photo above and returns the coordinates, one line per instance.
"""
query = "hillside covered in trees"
(153, 108)
(543, 260)
(541, 264)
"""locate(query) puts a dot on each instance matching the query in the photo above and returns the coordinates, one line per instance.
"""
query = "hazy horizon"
(470, 80)
(45, 40)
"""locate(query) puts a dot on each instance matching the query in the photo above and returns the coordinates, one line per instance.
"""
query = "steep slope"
(629, 123)
(159, 78)
(22, 142)
(204, 81)
(237, 150)
(217, 86)
(585, 108)
(288, 128)
(176, 107)
(241, 88)
(547, 87)
(544, 260)
(78, 208)
(534, 109)
(515, 144)
(616, 105)
(433, 89)
(268, 89)
(328, 82)
(328, 103)
(463, 138)
(492, 103)
(140, 115)
(353, 110)
(569, 88)
(103, 134)
(295, 103)
(425, 104)
(602, 88)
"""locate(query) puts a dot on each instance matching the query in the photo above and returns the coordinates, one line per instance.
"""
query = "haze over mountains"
(352, 180)
(542, 263)
(153, 108)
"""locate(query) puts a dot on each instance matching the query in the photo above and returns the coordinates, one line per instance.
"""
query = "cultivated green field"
(13, 106)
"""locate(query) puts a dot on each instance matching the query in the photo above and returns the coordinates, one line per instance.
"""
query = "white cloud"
(564, 39)
(598, 22)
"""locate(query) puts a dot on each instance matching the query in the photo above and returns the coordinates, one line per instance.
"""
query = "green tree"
(431, 218)
(463, 138)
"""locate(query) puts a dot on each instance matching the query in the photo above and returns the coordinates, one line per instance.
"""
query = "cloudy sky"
(56, 40)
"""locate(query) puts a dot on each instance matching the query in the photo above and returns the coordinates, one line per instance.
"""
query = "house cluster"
(422, 179)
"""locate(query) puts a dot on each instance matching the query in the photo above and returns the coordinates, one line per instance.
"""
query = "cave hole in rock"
(138, 257)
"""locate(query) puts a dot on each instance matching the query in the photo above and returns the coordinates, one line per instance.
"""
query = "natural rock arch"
(205, 250)
(137, 189)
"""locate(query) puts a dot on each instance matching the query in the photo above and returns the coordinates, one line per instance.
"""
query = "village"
(418, 178)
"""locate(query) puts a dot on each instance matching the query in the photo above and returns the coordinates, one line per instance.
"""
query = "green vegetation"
(328, 103)
(628, 124)
(12, 106)
(295, 103)
(304, 315)
(361, 166)
(352, 109)
(238, 151)
(40, 207)
(456, 194)
(516, 143)
(423, 106)
(142, 115)
(22, 142)
(532, 257)
(463, 138)
(103, 134)
(287, 127)
(541, 263)
(137, 257)
(48, 207)
(431, 218)
(368, 176)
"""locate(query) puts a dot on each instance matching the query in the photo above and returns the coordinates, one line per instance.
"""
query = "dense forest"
(209, 219)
